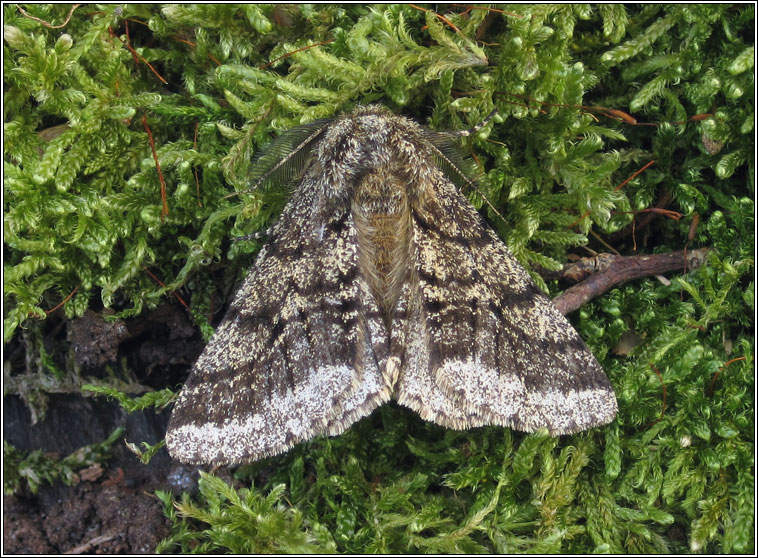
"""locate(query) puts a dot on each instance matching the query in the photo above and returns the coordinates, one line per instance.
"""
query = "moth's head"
(365, 140)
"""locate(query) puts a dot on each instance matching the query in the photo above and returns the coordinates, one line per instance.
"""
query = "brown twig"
(612, 113)
(607, 270)
(635, 175)
(293, 52)
(604, 243)
(63, 302)
(642, 222)
(138, 55)
(496, 11)
(164, 211)
(617, 188)
(190, 43)
(90, 544)
(675, 215)
(46, 24)
(442, 18)
(716, 375)
(162, 284)
(671, 214)
(194, 167)
(616, 114)
(129, 42)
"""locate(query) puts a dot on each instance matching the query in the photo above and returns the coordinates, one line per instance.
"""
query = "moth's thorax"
(369, 140)
(382, 218)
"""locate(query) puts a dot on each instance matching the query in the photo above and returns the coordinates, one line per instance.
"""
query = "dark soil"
(95, 518)
(112, 509)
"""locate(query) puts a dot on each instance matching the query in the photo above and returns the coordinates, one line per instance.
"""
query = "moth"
(380, 281)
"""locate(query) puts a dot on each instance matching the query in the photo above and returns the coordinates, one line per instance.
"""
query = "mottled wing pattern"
(380, 279)
(499, 352)
(417, 386)
(292, 358)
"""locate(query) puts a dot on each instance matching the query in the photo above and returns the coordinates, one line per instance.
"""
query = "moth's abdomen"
(383, 223)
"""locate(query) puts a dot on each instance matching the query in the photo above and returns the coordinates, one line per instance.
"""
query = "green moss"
(34, 468)
(83, 210)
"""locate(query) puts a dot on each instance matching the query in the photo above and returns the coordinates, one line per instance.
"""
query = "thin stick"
(616, 188)
(620, 269)
(164, 211)
(194, 168)
(90, 544)
(636, 174)
(46, 24)
(162, 284)
(293, 52)
(603, 242)
(716, 375)
(439, 16)
(135, 53)
(64, 301)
